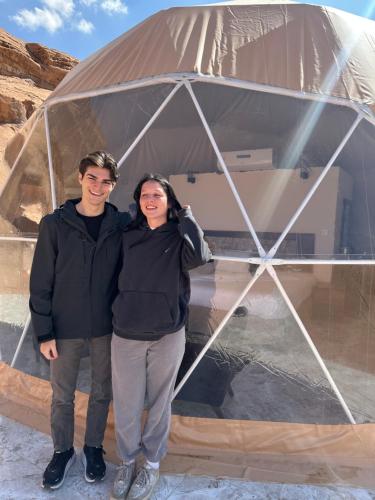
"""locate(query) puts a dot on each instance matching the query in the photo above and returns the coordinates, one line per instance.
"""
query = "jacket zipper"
(85, 236)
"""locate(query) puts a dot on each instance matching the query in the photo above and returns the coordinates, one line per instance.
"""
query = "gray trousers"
(64, 374)
(144, 370)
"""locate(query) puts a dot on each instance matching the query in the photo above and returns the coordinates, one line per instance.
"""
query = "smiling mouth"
(96, 194)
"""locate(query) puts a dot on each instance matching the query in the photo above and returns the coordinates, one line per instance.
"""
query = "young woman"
(149, 316)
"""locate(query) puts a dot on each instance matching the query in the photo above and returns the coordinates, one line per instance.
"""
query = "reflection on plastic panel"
(110, 122)
(340, 215)
(15, 261)
(338, 310)
(214, 289)
(27, 194)
(260, 367)
(274, 164)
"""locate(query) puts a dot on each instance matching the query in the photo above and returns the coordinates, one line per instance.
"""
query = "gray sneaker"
(143, 484)
(124, 477)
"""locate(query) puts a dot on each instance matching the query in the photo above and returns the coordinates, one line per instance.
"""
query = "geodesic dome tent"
(261, 115)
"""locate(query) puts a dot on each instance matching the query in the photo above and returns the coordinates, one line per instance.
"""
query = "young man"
(72, 285)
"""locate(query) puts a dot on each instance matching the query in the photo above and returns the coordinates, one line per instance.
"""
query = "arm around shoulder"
(195, 251)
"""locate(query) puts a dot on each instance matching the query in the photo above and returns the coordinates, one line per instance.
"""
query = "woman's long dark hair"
(168, 190)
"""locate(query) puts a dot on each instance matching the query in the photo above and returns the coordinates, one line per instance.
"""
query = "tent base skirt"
(250, 450)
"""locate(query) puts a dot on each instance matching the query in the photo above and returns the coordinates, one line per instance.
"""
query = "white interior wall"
(271, 197)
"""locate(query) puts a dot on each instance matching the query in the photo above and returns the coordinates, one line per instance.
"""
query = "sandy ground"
(24, 453)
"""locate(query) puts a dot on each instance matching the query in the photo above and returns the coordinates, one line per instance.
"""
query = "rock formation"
(28, 73)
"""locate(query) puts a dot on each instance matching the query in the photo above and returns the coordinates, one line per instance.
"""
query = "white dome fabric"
(261, 117)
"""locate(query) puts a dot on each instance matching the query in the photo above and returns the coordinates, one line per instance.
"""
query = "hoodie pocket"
(136, 311)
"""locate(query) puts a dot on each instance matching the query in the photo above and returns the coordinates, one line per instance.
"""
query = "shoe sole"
(68, 466)
(88, 479)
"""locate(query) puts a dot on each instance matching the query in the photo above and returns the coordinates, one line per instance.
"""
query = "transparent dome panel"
(260, 367)
(26, 195)
(336, 303)
(215, 288)
(341, 213)
(178, 147)
(109, 122)
(15, 143)
(15, 263)
(274, 147)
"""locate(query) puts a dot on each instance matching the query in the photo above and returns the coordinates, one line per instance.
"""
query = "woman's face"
(154, 204)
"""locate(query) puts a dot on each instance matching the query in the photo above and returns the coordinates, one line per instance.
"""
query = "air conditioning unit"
(247, 160)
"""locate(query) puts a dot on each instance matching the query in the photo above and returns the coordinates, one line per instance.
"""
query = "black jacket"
(154, 284)
(73, 278)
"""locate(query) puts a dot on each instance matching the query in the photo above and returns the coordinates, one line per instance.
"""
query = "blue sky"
(80, 27)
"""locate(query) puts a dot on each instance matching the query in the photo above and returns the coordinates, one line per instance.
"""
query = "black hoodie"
(73, 278)
(154, 284)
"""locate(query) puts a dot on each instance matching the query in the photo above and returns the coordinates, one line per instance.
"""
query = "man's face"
(96, 185)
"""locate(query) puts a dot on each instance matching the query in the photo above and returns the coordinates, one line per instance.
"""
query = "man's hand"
(49, 349)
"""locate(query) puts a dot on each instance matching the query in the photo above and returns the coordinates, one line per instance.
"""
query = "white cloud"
(39, 18)
(114, 7)
(85, 26)
(63, 7)
(53, 14)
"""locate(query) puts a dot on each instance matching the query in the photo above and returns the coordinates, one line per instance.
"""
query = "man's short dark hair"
(100, 159)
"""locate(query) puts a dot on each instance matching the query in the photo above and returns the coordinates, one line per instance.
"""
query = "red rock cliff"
(28, 74)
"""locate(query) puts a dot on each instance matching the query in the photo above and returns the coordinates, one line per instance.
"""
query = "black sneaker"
(57, 469)
(92, 458)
